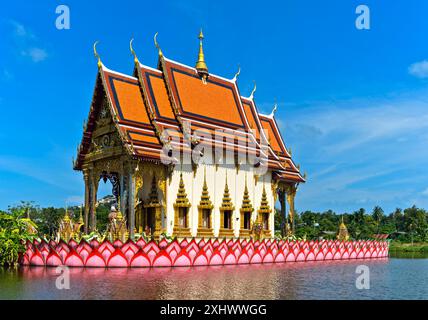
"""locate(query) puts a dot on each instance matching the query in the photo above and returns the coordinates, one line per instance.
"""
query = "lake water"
(393, 278)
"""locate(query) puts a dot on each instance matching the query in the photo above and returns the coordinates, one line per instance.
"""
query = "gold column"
(291, 193)
(93, 209)
(87, 199)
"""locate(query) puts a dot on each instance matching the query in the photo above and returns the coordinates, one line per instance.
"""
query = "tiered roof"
(226, 203)
(186, 99)
(246, 202)
(153, 196)
(182, 200)
(205, 202)
(264, 204)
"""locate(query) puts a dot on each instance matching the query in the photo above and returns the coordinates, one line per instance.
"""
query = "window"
(266, 221)
(247, 220)
(182, 217)
(227, 219)
(206, 221)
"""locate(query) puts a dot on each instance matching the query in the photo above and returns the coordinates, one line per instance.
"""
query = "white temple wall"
(216, 179)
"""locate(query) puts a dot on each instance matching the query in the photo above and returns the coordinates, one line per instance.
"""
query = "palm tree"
(377, 215)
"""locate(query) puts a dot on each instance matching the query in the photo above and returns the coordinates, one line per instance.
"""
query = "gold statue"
(116, 229)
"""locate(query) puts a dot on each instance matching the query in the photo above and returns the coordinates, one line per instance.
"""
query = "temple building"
(186, 154)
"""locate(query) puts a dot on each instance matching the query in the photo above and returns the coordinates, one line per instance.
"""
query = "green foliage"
(408, 225)
(15, 229)
(103, 211)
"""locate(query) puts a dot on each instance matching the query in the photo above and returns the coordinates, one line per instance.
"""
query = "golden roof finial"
(201, 66)
(157, 45)
(132, 51)
(237, 74)
(253, 91)
(97, 55)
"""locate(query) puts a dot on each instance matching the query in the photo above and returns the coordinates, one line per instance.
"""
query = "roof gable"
(216, 102)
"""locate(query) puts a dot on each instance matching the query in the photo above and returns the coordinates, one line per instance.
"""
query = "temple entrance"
(149, 221)
(106, 198)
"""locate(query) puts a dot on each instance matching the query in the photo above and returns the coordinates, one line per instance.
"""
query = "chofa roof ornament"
(251, 97)
(99, 63)
(157, 45)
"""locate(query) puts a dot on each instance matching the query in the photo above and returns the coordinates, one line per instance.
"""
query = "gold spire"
(343, 234)
(182, 200)
(246, 202)
(205, 202)
(227, 200)
(264, 205)
(342, 224)
(201, 66)
(66, 216)
(81, 216)
(154, 192)
(97, 55)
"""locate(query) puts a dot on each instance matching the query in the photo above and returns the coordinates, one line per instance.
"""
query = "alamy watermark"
(363, 280)
(62, 21)
(363, 19)
(63, 280)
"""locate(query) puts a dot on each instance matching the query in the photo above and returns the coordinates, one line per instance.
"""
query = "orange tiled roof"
(216, 102)
(156, 100)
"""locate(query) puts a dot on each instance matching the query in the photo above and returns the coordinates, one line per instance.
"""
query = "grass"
(408, 247)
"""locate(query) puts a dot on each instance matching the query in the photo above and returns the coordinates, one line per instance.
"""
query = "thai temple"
(187, 154)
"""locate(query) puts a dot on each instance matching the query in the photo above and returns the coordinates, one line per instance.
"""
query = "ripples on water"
(390, 279)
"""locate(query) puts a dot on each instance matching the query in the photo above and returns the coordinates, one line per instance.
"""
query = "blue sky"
(353, 104)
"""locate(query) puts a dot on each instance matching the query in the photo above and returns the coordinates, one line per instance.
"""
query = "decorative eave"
(90, 123)
(152, 116)
(186, 130)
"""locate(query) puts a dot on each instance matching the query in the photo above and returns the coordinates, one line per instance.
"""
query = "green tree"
(377, 215)
(15, 229)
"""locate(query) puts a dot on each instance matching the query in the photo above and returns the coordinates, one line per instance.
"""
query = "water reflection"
(390, 279)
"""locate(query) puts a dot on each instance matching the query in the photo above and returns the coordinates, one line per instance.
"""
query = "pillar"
(131, 203)
(291, 193)
(87, 200)
(122, 192)
(282, 201)
(93, 210)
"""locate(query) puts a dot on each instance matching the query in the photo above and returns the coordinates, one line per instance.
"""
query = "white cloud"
(20, 30)
(27, 43)
(74, 200)
(351, 152)
(36, 54)
(425, 192)
(419, 69)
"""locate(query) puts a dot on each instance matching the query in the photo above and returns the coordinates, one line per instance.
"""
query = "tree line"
(406, 225)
